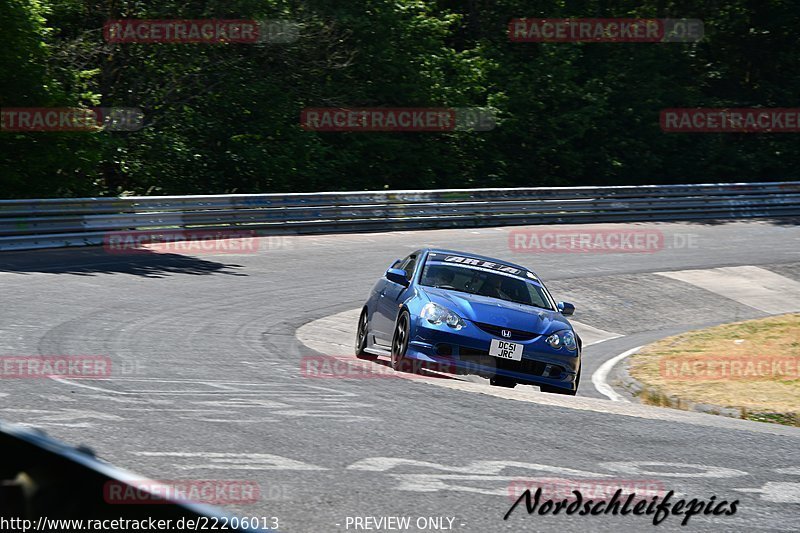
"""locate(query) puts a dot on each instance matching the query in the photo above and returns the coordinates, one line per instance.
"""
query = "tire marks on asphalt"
(237, 402)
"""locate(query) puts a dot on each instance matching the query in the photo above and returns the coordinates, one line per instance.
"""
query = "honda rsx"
(474, 314)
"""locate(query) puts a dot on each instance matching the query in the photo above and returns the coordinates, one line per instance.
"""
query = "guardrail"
(48, 223)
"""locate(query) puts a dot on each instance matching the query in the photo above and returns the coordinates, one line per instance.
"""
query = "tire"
(361, 338)
(559, 390)
(502, 381)
(400, 345)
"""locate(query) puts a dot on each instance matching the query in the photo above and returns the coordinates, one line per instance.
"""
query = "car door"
(389, 298)
(376, 300)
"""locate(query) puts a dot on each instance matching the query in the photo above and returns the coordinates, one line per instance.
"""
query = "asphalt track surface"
(207, 382)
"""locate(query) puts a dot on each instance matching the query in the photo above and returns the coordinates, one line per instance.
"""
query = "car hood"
(477, 308)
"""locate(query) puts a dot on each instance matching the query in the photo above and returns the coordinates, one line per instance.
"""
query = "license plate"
(505, 350)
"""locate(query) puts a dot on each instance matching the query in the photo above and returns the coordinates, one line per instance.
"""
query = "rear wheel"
(400, 345)
(361, 338)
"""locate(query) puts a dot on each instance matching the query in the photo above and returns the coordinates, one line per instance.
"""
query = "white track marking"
(332, 335)
(331, 344)
(749, 285)
(237, 461)
(592, 335)
(638, 468)
(777, 492)
(335, 331)
(205, 400)
(68, 415)
(83, 385)
(601, 374)
(38, 425)
(384, 464)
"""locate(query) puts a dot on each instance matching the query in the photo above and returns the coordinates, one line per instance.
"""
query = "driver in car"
(493, 288)
(442, 277)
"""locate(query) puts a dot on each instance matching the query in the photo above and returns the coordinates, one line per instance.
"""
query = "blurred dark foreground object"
(41, 477)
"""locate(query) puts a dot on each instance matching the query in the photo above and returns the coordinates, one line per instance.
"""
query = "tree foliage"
(225, 117)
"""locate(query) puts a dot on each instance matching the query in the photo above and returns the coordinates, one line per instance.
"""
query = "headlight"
(436, 314)
(564, 338)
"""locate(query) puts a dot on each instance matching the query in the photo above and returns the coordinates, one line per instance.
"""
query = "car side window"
(408, 265)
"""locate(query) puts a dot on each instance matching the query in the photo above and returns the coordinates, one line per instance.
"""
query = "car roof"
(481, 257)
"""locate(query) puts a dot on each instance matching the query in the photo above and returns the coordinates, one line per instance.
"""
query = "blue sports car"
(474, 314)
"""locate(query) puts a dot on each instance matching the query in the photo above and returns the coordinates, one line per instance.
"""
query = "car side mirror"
(566, 308)
(395, 275)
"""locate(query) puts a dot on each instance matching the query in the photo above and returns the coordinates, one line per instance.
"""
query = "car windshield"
(472, 280)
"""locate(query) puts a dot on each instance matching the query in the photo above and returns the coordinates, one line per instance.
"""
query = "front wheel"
(400, 340)
(361, 338)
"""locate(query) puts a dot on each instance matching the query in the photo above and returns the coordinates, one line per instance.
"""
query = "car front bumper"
(466, 351)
